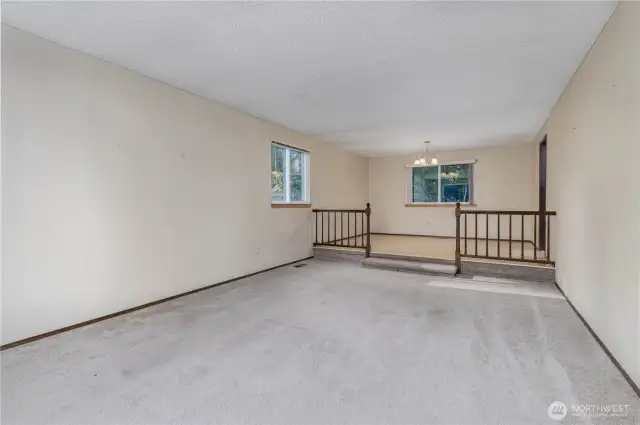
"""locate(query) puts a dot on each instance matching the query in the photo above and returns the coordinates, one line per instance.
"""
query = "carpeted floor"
(323, 344)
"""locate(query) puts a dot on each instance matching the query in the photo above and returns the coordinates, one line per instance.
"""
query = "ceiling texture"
(375, 78)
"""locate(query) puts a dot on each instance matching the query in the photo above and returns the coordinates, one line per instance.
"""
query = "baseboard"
(617, 364)
(401, 257)
(139, 307)
(518, 271)
(333, 253)
(449, 237)
(334, 242)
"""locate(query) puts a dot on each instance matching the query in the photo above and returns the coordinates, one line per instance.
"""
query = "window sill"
(290, 205)
(438, 205)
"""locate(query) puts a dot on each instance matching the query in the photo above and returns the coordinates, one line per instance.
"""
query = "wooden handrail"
(336, 232)
(540, 242)
(344, 211)
(506, 212)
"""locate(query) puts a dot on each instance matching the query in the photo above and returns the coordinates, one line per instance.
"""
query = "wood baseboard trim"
(333, 242)
(436, 205)
(139, 307)
(449, 237)
(290, 205)
(615, 362)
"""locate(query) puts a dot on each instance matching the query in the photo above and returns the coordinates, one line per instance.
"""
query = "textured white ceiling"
(378, 78)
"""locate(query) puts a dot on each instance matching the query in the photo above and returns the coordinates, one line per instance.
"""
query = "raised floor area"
(445, 247)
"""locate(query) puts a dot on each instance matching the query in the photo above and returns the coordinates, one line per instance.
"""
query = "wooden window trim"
(438, 205)
(306, 202)
(283, 205)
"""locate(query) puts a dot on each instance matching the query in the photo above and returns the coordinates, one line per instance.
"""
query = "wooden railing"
(344, 228)
(513, 238)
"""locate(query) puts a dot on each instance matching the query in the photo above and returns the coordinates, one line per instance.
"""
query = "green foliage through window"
(277, 173)
(442, 183)
(425, 184)
(296, 170)
(289, 168)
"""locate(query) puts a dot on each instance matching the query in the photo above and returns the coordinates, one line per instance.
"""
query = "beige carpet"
(329, 343)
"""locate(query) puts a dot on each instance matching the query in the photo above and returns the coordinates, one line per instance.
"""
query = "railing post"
(368, 249)
(458, 258)
(548, 240)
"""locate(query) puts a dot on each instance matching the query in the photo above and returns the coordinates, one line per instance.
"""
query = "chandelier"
(422, 161)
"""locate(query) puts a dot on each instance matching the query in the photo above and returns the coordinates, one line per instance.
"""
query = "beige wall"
(504, 178)
(594, 183)
(119, 190)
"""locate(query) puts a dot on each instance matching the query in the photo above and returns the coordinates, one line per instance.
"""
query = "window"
(289, 175)
(442, 184)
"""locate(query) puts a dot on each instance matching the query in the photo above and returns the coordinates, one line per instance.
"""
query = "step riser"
(509, 271)
(419, 267)
(413, 258)
(405, 270)
(336, 254)
(471, 268)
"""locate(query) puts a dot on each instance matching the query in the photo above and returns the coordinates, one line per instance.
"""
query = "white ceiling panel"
(377, 78)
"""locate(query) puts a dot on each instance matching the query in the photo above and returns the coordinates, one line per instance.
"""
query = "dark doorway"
(542, 194)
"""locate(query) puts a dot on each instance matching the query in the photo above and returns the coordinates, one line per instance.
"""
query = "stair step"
(410, 266)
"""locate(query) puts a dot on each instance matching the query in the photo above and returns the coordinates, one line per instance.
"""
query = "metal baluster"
(548, 241)
(458, 259)
(465, 234)
(522, 236)
(510, 227)
(335, 229)
(362, 229)
(535, 237)
(348, 229)
(486, 249)
(476, 238)
(498, 235)
(368, 248)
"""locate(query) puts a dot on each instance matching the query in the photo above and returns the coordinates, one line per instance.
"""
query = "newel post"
(458, 258)
(368, 212)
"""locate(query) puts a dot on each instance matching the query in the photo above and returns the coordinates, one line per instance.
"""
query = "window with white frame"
(289, 175)
(442, 184)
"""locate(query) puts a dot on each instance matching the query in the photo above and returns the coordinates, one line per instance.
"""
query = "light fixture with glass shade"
(422, 161)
